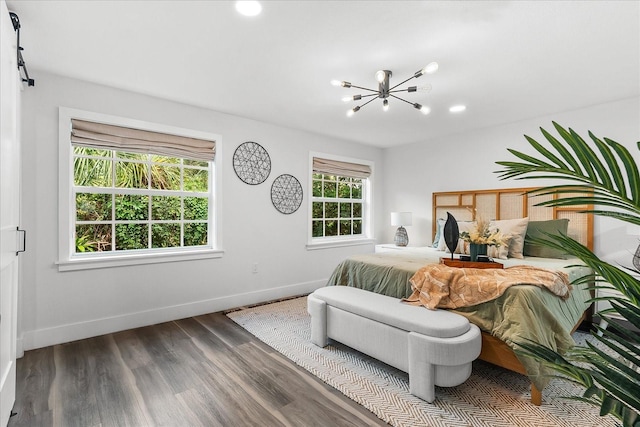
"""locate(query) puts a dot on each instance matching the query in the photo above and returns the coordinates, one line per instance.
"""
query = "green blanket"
(523, 311)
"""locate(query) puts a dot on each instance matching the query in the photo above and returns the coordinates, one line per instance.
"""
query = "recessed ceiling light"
(248, 8)
(457, 108)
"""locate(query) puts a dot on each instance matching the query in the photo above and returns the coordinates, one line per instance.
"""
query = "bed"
(523, 311)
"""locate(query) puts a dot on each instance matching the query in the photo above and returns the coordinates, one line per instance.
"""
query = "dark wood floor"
(201, 371)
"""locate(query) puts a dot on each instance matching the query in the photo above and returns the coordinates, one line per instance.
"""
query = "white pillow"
(439, 228)
(501, 252)
(516, 229)
(442, 245)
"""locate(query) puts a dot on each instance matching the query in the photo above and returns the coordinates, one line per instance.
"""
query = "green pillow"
(537, 229)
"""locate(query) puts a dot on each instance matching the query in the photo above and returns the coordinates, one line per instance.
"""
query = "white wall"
(63, 306)
(467, 160)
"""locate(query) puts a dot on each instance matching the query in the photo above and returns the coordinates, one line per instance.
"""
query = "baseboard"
(92, 328)
(19, 347)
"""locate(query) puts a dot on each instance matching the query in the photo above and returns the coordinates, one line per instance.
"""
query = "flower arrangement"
(481, 234)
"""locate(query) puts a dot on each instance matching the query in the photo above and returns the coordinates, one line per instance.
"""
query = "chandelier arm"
(368, 102)
(403, 100)
(399, 90)
(364, 88)
(401, 83)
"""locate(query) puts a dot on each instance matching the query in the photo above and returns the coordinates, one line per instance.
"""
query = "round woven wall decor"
(251, 163)
(286, 194)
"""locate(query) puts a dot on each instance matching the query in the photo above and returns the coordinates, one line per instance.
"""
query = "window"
(128, 201)
(337, 206)
(340, 198)
(141, 192)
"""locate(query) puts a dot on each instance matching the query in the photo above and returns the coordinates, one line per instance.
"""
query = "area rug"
(492, 396)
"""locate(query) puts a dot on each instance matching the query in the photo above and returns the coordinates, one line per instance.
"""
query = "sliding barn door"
(9, 211)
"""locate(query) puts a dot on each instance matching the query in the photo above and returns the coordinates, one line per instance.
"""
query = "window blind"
(111, 137)
(336, 167)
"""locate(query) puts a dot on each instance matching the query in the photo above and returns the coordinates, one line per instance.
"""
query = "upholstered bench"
(435, 347)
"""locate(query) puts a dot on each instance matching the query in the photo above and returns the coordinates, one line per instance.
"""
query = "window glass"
(133, 201)
(336, 208)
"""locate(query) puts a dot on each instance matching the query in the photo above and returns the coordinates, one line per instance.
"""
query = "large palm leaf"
(609, 180)
(603, 175)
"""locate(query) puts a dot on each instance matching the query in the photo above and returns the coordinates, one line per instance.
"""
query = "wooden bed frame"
(510, 203)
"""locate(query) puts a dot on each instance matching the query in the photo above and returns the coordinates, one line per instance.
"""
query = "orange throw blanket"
(440, 286)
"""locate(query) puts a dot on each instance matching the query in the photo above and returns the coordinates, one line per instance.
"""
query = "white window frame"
(367, 211)
(69, 260)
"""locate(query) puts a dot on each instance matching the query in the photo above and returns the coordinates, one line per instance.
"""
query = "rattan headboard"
(510, 203)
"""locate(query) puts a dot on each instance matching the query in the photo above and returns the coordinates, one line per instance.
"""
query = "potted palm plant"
(600, 173)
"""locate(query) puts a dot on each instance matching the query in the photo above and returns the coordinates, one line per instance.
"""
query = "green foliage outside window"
(93, 238)
(195, 234)
(131, 236)
(93, 207)
(165, 235)
(337, 206)
(106, 220)
(165, 208)
(196, 208)
(130, 207)
(195, 180)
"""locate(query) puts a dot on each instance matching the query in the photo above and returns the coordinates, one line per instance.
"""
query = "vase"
(476, 249)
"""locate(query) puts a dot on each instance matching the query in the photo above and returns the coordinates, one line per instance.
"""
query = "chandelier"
(385, 91)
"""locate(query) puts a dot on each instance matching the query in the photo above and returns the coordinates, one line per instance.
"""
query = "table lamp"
(401, 219)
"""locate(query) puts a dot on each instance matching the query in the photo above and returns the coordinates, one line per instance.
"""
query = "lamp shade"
(400, 218)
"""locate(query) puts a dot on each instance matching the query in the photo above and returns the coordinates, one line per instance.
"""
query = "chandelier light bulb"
(340, 83)
(352, 98)
(380, 76)
(385, 105)
(352, 111)
(425, 88)
(431, 68)
(423, 108)
(248, 8)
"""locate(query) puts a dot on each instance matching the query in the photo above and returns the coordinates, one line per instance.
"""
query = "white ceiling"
(506, 60)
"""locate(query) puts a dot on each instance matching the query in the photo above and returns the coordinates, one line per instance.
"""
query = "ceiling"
(505, 60)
